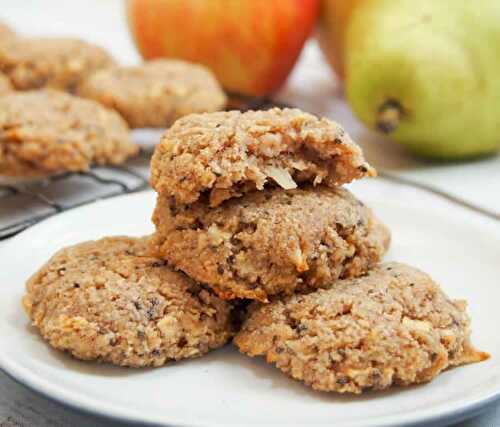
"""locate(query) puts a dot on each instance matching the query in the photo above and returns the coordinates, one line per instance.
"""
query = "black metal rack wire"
(24, 204)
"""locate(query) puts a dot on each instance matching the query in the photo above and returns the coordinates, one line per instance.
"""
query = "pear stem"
(389, 116)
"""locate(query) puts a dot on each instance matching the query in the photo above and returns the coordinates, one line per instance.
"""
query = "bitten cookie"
(59, 63)
(110, 300)
(5, 86)
(227, 154)
(272, 241)
(394, 326)
(45, 132)
(156, 93)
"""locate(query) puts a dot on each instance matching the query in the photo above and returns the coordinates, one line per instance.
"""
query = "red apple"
(251, 45)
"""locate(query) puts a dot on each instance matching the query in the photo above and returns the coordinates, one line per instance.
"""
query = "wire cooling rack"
(25, 204)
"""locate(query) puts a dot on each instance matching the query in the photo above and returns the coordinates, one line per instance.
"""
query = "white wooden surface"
(310, 87)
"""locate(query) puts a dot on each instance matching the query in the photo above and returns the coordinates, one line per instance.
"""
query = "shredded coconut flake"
(281, 176)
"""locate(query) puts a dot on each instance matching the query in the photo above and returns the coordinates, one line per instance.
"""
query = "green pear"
(427, 73)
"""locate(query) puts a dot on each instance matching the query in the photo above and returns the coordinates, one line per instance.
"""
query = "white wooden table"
(311, 87)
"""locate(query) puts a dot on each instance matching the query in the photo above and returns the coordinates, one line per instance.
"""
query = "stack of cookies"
(255, 239)
(251, 204)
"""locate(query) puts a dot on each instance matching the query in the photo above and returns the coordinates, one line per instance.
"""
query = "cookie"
(46, 131)
(394, 326)
(59, 63)
(227, 154)
(156, 93)
(110, 300)
(6, 33)
(5, 86)
(272, 241)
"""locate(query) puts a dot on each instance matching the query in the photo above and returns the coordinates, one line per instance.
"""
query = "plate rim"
(439, 420)
(91, 406)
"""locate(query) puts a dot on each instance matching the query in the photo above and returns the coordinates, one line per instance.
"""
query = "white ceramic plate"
(460, 249)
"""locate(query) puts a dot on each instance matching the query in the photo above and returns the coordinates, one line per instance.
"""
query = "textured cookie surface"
(109, 300)
(5, 86)
(227, 154)
(45, 132)
(394, 326)
(156, 93)
(272, 241)
(59, 63)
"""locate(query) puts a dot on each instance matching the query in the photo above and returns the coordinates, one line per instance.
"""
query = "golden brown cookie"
(110, 300)
(59, 63)
(394, 326)
(156, 93)
(227, 154)
(5, 86)
(46, 131)
(272, 241)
